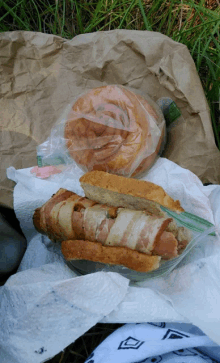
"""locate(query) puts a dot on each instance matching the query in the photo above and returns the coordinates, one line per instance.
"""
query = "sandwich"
(120, 221)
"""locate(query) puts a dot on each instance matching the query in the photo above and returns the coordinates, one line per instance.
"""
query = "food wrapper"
(110, 128)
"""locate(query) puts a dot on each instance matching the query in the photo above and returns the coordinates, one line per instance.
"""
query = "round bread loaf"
(114, 130)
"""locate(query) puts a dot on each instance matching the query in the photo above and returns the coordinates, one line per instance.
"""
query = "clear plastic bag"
(199, 230)
(108, 128)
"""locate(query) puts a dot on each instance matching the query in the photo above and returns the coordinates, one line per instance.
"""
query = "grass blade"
(14, 15)
(199, 26)
(208, 42)
(56, 19)
(146, 23)
(6, 14)
(133, 3)
(155, 6)
(79, 17)
(89, 29)
(94, 21)
(63, 20)
(38, 15)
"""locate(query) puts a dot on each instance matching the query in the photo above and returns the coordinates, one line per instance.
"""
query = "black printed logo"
(159, 325)
(185, 352)
(130, 343)
(174, 334)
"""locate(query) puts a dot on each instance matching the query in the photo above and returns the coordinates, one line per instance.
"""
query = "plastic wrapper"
(109, 128)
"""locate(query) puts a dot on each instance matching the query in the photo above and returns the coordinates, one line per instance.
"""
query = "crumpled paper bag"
(190, 294)
(41, 74)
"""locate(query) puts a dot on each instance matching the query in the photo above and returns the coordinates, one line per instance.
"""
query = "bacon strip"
(65, 217)
(151, 233)
(78, 216)
(166, 246)
(121, 228)
(61, 196)
(78, 224)
(183, 237)
(104, 229)
(93, 217)
(54, 215)
(136, 230)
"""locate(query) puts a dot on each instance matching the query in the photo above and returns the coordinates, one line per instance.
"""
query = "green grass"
(193, 23)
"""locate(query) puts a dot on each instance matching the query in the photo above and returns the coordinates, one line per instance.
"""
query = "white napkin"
(43, 310)
(150, 301)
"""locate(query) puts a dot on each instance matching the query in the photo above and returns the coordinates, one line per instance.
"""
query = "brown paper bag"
(41, 73)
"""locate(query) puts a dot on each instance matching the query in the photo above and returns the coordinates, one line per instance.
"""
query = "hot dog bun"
(94, 251)
(131, 193)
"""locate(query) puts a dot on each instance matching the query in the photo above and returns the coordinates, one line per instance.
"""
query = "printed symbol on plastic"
(40, 351)
(130, 343)
(201, 264)
(174, 334)
(151, 360)
(185, 352)
(159, 325)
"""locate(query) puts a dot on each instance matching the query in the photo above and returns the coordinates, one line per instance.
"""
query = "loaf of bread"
(112, 129)
(132, 193)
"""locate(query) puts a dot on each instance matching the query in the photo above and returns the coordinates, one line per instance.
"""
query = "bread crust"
(120, 191)
(36, 220)
(96, 252)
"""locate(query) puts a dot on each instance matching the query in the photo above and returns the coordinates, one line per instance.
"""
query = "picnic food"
(132, 193)
(114, 130)
(133, 237)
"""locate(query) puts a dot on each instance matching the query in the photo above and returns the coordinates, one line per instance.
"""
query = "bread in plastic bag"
(108, 128)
